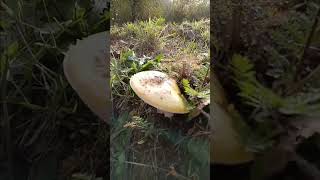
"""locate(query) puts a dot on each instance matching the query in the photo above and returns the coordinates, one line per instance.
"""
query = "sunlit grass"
(143, 143)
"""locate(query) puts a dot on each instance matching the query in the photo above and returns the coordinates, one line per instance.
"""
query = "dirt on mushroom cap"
(159, 91)
(156, 80)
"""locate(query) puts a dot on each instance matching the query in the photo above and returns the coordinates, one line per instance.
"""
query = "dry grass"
(159, 148)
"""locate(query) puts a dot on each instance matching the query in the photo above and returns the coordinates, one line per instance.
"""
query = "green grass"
(140, 150)
(144, 143)
(46, 123)
(177, 11)
(178, 60)
(271, 77)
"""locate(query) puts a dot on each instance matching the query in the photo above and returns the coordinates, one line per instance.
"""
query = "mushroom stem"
(166, 114)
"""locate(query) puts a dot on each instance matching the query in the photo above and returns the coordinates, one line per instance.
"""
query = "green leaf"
(159, 58)
(242, 67)
(199, 150)
(134, 67)
(4, 24)
(254, 93)
(188, 89)
(304, 104)
(147, 66)
(8, 10)
(79, 12)
(193, 93)
(250, 137)
(128, 55)
(13, 49)
(204, 94)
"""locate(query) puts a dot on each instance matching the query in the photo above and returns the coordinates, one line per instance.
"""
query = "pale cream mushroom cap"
(226, 147)
(85, 67)
(159, 90)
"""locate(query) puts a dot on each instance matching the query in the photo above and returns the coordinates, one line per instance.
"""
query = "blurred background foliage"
(172, 10)
(46, 130)
(266, 56)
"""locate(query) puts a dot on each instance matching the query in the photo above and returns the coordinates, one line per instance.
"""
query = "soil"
(157, 80)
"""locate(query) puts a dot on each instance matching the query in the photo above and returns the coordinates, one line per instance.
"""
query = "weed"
(157, 148)
(45, 113)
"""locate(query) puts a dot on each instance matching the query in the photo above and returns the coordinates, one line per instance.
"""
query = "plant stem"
(7, 126)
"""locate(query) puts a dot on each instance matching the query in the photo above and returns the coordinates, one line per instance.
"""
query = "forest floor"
(271, 49)
(47, 132)
(143, 142)
(266, 55)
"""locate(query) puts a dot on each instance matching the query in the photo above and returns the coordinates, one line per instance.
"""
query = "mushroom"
(85, 67)
(226, 148)
(160, 91)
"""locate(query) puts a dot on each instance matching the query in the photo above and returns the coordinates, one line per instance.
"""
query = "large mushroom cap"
(226, 147)
(159, 90)
(85, 67)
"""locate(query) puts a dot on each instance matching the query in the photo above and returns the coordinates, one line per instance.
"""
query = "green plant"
(265, 102)
(157, 147)
(45, 113)
(122, 69)
(125, 133)
(259, 96)
(120, 139)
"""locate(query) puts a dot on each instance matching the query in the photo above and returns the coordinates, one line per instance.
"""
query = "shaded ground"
(47, 132)
(273, 80)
